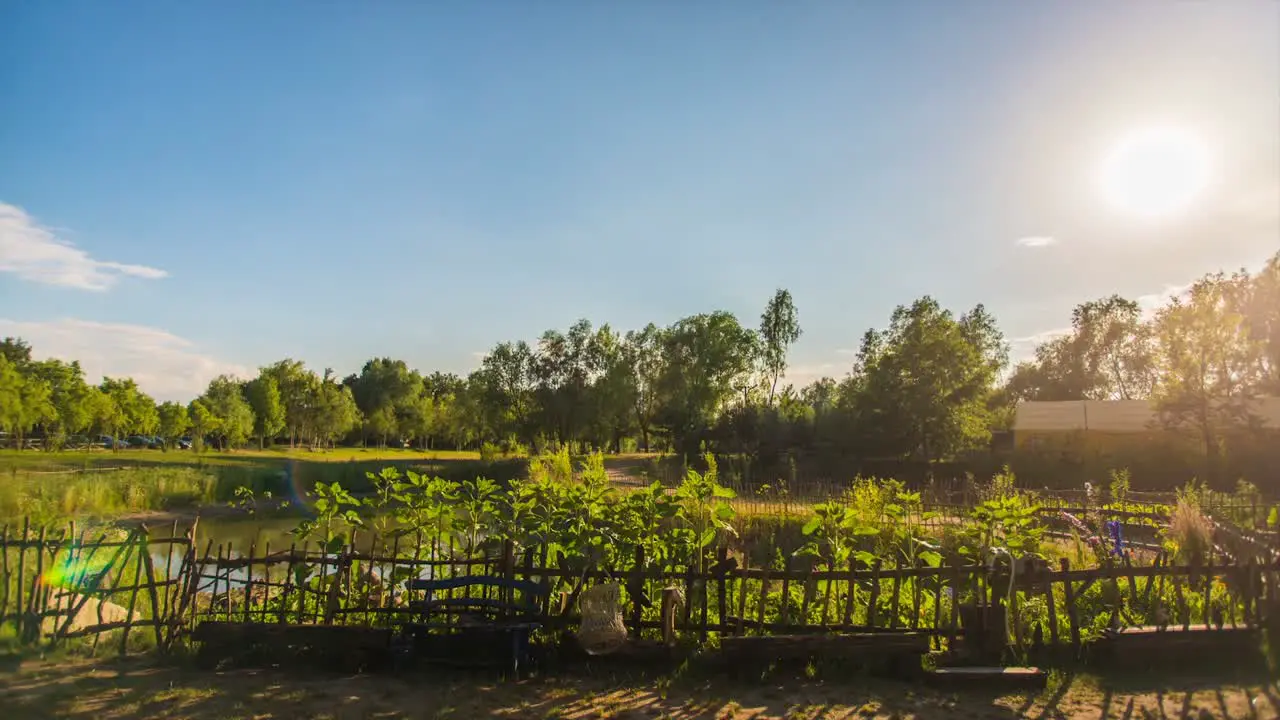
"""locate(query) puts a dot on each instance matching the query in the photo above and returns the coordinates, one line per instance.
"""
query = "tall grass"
(48, 498)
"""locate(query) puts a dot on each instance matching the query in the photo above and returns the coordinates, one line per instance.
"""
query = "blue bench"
(472, 631)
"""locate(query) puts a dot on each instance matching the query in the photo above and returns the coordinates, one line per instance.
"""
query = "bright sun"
(1156, 172)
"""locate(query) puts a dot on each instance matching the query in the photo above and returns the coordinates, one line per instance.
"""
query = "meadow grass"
(276, 456)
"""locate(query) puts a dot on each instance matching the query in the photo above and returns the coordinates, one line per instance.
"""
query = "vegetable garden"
(1015, 574)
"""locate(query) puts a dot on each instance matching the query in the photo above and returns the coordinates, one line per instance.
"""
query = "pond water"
(234, 537)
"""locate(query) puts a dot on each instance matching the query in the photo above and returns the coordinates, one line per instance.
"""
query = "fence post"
(140, 546)
(635, 589)
(873, 606)
(22, 573)
(4, 575)
(149, 568)
(1070, 597)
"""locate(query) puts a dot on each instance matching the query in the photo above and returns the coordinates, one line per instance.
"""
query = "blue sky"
(335, 181)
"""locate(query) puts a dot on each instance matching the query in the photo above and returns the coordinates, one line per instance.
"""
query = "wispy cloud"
(164, 365)
(1024, 348)
(1036, 241)
(805, 374)
(33, 252)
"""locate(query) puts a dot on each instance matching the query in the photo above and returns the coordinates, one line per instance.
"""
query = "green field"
(274, 457)
(55, 486)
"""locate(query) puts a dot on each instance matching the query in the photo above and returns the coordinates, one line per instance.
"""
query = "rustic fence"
(141, 590)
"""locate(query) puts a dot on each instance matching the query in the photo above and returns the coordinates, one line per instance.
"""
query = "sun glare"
(1155, 173)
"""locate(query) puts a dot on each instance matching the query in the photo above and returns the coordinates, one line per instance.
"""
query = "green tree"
(1107, 355)
(174, 421)
(233, 418)
(1209, 364)
(418, 420)
(565, 368)
(779, 330)
(383, 391)
(11, 388)
(504, 392)
(1263, 316)
(334, 411)
(923, 384)
(17, 351)
(203, 423)
(642, 360)
(297, 390)
(263, 395)
(705, 359)
(128, 410)
(70, 397)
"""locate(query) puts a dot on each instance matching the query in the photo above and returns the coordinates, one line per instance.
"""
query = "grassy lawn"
(76, 459)
(135, 689)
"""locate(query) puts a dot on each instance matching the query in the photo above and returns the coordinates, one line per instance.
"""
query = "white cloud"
(1024, 348)
(164, 365)
(33, 252)
(1036, 241)
(1151, 302)
(802, 375)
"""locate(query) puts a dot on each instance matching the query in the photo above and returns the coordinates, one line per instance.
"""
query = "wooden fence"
(153, 590)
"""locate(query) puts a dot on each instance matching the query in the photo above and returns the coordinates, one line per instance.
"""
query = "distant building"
(1127, 417)
(1088, 438)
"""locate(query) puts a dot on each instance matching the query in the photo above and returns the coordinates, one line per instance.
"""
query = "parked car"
(144, 441)
(108, 442)
(184, 443)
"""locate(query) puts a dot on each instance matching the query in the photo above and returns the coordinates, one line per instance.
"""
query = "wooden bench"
(895, 654)
(344, 647)
(1151, 647)
(472, 631)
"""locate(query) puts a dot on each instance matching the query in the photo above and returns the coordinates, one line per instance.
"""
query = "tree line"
(930, 385)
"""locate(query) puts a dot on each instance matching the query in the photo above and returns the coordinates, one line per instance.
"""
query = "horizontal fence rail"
(154, 590)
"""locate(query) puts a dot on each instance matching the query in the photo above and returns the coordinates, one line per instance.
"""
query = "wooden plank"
(742, 600)
(141, 549)
(764, 596)
(785, 605)
(1208, 593)
(915, 601)
(287, 595)
(1051, 605)
(636, 585)
(22, 574)
(852, 580)
(873, 606)
(954, 625)
(5, 577)
(1072, 612)
(168, 575)
(248, 580)
(895, 614)
(721, 588)
(157, 613)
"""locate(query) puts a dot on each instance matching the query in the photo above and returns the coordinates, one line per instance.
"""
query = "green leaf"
(724, 492)
(812, 526)
(931, 558)
(708, 536)
(864, 557)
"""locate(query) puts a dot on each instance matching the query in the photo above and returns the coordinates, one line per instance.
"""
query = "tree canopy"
(931, 384)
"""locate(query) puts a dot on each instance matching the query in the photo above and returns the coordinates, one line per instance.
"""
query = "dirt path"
(134, 690)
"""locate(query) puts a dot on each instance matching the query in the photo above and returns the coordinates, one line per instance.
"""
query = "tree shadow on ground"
(135, 689)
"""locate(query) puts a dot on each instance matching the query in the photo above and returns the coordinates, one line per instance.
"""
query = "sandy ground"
(136, 689)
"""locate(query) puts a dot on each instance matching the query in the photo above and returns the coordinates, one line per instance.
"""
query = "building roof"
(1108, 415)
